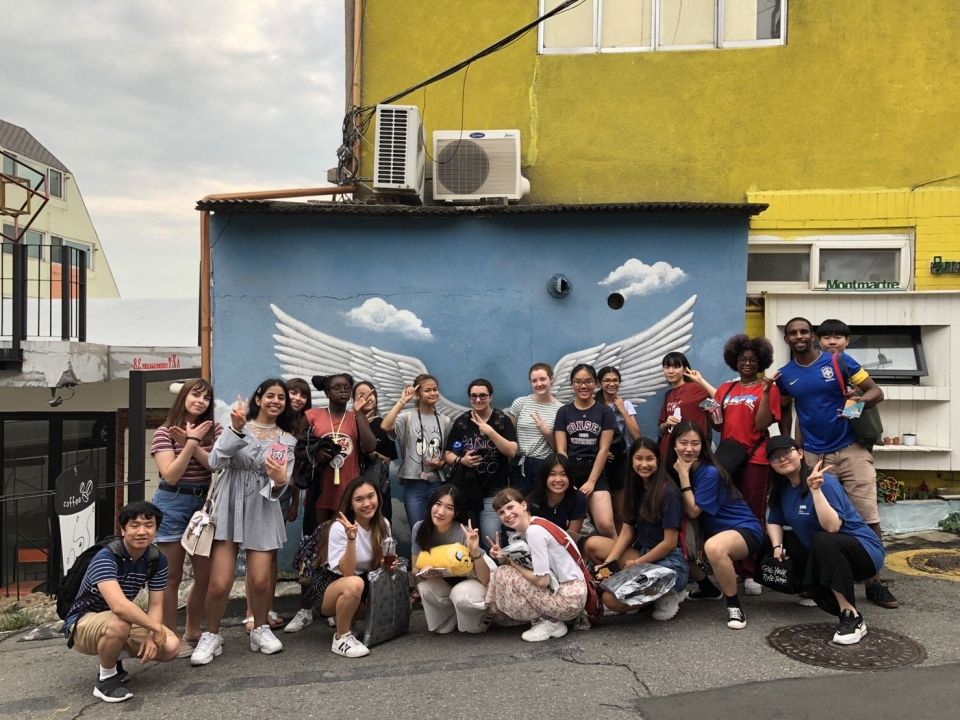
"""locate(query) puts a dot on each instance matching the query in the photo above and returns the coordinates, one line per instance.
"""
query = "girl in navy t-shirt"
(554, 497)
(651, 530)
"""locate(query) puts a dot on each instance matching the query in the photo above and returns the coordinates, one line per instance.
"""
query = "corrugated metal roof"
(283, 207)
(19, 141)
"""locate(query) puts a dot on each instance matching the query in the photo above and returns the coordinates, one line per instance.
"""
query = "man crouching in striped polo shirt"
(104, 620)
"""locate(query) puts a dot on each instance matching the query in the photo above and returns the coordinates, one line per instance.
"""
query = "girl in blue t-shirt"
(554, 497)
(829, 544)
(731, 530)
(651, 528)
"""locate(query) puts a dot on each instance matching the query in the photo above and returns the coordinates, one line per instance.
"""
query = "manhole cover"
(813, 644)
(943, 564)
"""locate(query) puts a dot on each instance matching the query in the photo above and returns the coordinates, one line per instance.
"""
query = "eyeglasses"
(479, 396)
(584, 383)
(781, 456)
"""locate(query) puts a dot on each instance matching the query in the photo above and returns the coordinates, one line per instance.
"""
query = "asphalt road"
(691, 667)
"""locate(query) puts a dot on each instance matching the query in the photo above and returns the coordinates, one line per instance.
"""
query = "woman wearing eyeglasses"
(584, 432)
(482, 441)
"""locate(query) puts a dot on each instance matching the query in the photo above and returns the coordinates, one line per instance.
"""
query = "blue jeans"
(489, 523)
(416, 497)
(524, 478)
(674, 560)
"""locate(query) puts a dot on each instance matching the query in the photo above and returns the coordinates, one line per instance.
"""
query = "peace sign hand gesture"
(482, 425)
(472, 537)
(815, 479)
(495, 548)
(767, 382)
(349, 528)
(238, 414)
(408, 393)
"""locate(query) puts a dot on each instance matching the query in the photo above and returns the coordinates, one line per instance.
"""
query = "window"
(12, 166)
(889, 354)
(834, 263)
(55, 183)
(31, 238)
(57, 243)
(640, 25)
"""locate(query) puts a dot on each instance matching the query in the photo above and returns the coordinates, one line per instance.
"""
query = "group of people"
(576, 481)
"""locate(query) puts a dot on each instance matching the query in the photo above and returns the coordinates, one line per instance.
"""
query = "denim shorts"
(674, 560)
(177, 509)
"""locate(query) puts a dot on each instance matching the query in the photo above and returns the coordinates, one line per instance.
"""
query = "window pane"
(9, 166)
(778, 267)
(863, 265)
(56, 183)
(84, 248)
(751, 19)
(687, 22)
(56, 248)
(7, 244)
(626, 23)
(572, 28)
(33, 240)
(894, 351)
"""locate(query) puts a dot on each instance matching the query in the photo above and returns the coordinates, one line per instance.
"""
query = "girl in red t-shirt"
(682, 401)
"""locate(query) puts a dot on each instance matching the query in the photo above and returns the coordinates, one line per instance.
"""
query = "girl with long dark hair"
(729, 526)
(651, 528)
(681, 401)
(554, 497)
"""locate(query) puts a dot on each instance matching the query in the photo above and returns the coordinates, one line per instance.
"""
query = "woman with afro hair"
(744, 423)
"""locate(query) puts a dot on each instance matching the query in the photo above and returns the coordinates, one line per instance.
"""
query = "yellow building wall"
(863, 95)
(932, 213)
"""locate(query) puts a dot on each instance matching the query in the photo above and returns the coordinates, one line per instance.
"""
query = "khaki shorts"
(93, 626)
(853, 465)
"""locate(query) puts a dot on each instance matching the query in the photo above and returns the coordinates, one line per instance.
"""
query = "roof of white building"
(16, 139)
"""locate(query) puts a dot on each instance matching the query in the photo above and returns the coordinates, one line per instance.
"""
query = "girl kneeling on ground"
(524, 595)
(651, 529)
(731, 530)
(352, 547)
(829, 543)
(451, 603)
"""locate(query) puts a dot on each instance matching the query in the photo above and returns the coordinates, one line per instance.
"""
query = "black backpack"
(69, 587)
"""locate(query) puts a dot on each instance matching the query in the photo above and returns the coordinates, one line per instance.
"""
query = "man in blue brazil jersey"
(809, 382)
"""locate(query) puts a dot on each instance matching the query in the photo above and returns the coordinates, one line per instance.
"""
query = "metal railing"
(43, 291)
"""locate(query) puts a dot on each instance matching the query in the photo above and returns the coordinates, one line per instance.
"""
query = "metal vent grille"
(392, 129)
(488, 167)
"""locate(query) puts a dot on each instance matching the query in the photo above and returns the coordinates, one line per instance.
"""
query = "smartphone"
(278, 453)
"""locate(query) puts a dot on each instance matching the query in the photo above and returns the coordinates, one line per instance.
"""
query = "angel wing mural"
(303, 351)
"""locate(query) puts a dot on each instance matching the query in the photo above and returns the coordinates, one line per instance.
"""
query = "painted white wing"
(303, 351)
(637, 357)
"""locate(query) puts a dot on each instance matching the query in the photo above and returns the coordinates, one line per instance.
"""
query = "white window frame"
(77, 245)
(718, 41)
(772, 244)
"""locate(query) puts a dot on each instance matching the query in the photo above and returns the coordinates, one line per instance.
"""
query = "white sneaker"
(209, 646)
(666, 607)
(299, 621)
(447, 626)
(752, 587)
(736, 620)
(348, 646)
(263, 640)
(806, 602)
(544, 629)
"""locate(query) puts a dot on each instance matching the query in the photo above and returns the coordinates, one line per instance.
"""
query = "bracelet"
(191, 437)
(776, 546)
(351, 539)
(476, 557)
(238, 433)
(686, 489)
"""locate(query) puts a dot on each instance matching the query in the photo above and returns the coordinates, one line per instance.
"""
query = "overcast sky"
(155, 103)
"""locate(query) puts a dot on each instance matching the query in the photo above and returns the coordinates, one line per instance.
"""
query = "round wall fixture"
(615, 301)
(559, 286)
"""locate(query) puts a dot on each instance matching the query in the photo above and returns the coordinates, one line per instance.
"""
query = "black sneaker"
(710, 592)
(850, 630)
(736, 620)
(879, 594)
(112, 690)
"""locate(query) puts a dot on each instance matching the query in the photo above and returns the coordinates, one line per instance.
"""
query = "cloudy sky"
(154, 104)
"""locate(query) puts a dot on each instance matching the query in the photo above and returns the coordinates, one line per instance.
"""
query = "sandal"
(275, 621)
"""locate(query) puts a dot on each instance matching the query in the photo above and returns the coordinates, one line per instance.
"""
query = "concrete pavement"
(691, 667)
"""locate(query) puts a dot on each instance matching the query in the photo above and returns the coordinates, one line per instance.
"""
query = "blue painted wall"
(478, 284)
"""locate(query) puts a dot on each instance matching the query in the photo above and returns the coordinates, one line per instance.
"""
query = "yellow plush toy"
(453, 559)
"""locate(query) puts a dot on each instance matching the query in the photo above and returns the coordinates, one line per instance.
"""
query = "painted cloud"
(635, 277)
(380, 316)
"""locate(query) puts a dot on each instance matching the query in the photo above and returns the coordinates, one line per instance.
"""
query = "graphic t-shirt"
(740, 405)
(493, 472)
(797, 510)
(816, 393)
(421, 437)
(583, 428)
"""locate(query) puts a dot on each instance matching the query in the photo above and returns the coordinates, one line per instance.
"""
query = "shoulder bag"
(197, 537)
(868, 427)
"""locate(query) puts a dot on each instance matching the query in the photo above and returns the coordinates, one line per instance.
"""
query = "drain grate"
(936, 563)
(941, 563)
(813, 644)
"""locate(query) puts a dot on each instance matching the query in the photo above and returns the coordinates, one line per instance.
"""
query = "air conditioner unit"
(398, 156)
(471, 165)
